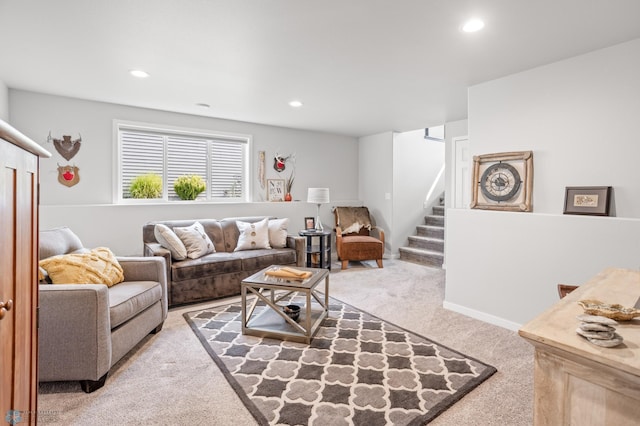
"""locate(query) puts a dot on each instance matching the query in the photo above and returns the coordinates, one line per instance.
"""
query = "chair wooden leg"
(344, 264)
(379, 262)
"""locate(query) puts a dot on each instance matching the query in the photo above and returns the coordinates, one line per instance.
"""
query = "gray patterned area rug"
(358, 370)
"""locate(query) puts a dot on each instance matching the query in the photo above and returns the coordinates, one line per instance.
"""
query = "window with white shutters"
(220, 159)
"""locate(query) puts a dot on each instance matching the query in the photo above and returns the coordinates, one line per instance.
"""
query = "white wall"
(579, 116)
(322, 160)
(452, 130)
(416, 166)
(4, 102)
(375, 177)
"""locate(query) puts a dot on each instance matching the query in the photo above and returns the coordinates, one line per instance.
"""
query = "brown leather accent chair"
(356, 237)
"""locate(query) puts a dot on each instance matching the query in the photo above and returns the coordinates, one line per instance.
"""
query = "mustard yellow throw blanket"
(99, 266)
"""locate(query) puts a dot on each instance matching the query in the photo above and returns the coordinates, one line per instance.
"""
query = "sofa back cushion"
(58, 241)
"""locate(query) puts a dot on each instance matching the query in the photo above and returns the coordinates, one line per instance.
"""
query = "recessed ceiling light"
(202, 105)
(295, 104)
(473, 25)
(139, 73)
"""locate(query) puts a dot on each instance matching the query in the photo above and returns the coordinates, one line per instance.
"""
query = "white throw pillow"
(169, 240)
(253, 235)
(196, 241)
(278, 232)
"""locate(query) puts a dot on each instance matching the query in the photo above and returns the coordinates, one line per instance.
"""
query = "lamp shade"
(318, 195)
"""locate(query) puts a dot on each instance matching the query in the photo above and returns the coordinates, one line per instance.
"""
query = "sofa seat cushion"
(128, 299)
(211, 264)
(253, 260)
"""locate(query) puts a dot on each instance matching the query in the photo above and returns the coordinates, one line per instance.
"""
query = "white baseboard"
(482, 316)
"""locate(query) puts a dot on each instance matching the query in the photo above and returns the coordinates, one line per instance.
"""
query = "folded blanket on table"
(290, 273)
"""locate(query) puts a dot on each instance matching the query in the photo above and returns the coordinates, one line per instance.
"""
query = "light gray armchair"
(84, 329)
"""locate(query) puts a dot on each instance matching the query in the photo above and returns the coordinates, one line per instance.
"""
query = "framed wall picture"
(309, 224)
(590, 200)
(503, 181)
(275, 189)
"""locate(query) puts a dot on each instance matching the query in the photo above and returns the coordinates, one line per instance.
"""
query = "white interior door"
(462, 173)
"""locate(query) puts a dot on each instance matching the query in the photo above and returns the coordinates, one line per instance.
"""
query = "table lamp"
(318, 196)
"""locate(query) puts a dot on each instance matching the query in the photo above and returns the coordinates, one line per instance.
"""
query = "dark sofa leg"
(93, 385)
(157, 329)
(379, 262)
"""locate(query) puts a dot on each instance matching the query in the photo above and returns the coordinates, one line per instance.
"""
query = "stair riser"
(427, 245)
(425, 259)
(430, 232)
(434, 220)
(438, 210)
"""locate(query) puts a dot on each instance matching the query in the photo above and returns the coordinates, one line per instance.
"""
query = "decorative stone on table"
(614, 311)
(599, 330)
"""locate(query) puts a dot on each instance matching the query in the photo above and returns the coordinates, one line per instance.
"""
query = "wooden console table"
(576, 382)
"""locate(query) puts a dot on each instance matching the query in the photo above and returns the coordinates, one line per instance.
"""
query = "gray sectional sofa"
(218, 274)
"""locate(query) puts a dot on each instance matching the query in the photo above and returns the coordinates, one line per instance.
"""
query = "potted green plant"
(146, 186)
(188, 187)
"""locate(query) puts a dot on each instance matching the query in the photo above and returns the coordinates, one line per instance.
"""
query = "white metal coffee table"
(271, 290)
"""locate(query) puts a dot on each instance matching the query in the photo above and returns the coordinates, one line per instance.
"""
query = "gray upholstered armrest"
(147, 269)
(155, 249)
(298, 243)
(74, 332)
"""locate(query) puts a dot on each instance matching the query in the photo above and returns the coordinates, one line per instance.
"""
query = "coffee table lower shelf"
(269, 323)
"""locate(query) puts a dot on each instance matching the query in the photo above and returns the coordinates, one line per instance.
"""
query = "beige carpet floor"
(169, 379)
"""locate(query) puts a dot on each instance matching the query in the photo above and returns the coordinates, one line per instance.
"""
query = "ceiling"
(360, 67)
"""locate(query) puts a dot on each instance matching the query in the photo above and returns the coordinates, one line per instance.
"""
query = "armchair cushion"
(99, 266)
(130, 298)
(361, 247)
